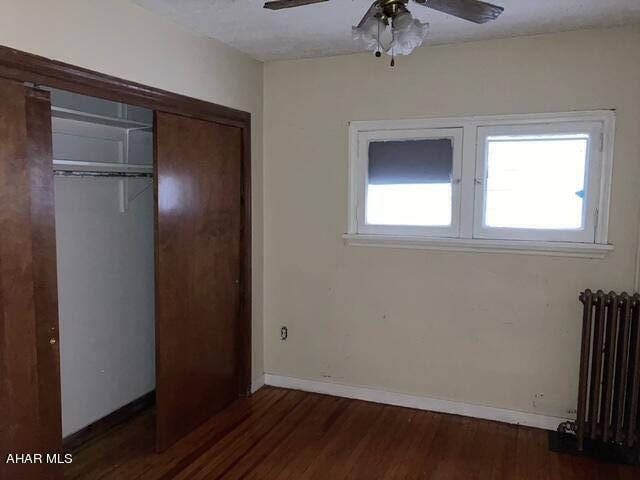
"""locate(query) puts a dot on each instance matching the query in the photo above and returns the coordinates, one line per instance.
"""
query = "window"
(538, 182)
(534, 183)
(411, 182)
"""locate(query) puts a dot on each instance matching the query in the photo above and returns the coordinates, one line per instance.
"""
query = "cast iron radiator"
(609, 384)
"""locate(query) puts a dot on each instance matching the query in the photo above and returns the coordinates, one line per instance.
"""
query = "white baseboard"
(412, 401)
(257, 383)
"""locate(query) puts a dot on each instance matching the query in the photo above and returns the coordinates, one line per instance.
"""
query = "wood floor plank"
(502, 460)
(399, 444)
(264, 450)
(290, 435)
(293, 456)
(447, 458)
(259, 446)
(373, 456)
(334, 455)
(224, 426)
(531, 452)
(239, 441)
(149, 465)
(420, 436)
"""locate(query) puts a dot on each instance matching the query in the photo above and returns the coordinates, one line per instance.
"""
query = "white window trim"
(465, 240)
(527, 247)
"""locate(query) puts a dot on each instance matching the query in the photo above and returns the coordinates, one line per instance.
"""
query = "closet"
(125, 263)
(103, 192)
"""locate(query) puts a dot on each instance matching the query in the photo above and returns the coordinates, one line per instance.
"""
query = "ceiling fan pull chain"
(393, 43)
(379, 49)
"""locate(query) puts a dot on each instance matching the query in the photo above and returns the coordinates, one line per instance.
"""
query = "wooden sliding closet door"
(198, 241)
(29, 357)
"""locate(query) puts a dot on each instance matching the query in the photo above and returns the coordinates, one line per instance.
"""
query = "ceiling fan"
(472, 10)
(405, 32)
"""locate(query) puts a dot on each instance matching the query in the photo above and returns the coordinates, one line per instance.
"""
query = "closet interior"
(104, 214)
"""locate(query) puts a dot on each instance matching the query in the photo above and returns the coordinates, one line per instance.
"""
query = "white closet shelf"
(59, 112)
(102, 166)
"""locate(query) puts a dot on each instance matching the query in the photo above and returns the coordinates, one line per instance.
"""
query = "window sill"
(557, 249)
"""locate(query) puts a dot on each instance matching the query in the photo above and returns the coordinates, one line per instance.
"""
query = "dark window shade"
(411, 161)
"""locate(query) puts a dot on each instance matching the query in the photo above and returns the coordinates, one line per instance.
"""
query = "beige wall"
(124, 40)
(492, 329)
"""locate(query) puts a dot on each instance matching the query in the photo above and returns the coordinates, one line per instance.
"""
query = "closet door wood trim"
(244, 339)
(26, 67)
(29, 366)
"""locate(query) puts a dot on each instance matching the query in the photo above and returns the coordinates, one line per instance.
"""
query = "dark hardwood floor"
(284, 434)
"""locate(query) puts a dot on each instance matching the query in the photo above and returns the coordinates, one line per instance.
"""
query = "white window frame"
(362, 167)
(468, 186)
(592, 182)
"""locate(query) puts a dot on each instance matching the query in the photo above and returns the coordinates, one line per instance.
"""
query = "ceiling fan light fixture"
(399, 35)
(408, 33)
(368, 34)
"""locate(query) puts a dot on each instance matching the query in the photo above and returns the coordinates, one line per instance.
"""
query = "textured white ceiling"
(325, 29)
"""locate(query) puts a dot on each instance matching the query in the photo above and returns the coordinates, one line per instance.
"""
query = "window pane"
(536, 182)
(409, 182)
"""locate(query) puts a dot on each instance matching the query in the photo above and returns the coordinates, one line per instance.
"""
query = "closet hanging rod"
(85, 173)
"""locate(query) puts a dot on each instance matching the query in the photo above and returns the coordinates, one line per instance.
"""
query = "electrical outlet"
(284, 333)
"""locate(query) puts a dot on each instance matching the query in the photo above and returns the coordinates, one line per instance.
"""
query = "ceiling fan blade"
(472, 10)
(280, 4)
(373, 9)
